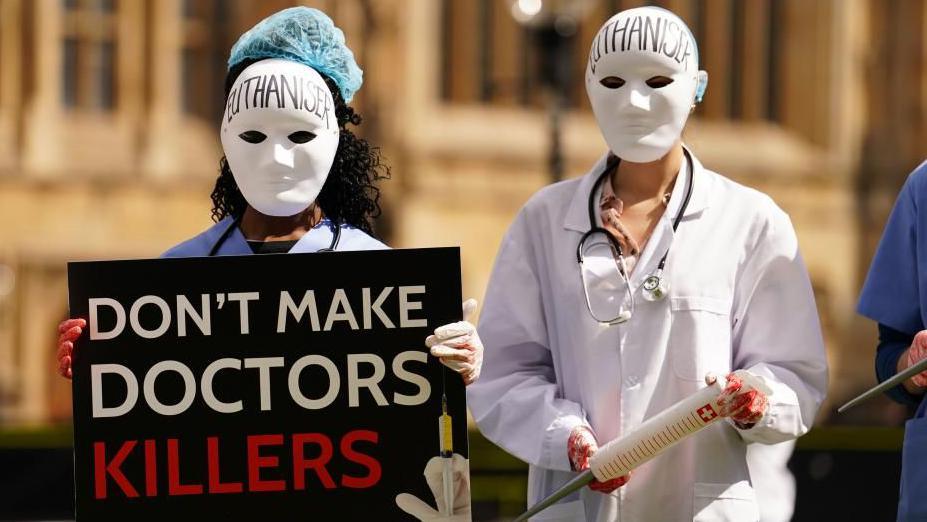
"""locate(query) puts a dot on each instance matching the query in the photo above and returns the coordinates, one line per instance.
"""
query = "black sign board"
(273, 387)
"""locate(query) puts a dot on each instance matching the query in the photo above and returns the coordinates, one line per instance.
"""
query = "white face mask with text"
(642, 79)
(280, 134)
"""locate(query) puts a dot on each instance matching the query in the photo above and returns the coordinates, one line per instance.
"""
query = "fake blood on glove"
(745, 408)
(580, 447)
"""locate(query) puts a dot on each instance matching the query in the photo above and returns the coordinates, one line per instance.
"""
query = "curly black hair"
(350, 194)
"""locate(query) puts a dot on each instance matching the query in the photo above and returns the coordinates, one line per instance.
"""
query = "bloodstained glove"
(915, 354)
(744, 399)
(68, 332)
(580, 447)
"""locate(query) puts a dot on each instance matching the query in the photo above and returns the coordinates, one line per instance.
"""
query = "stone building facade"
(108, 138)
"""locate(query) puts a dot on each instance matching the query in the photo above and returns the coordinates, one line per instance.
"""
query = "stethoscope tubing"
(612, 163)
(659, 288)
(336, 237)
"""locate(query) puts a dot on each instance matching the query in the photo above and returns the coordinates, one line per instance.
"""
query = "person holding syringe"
(613, 295)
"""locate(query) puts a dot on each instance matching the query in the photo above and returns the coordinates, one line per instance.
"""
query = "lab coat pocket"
(912, 505)
(700, 338)
(562, 512)
(724, 502)
(603, 283)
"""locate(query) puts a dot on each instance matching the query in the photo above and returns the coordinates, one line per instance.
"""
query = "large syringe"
(651, 438)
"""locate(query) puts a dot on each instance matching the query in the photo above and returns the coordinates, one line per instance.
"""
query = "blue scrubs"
(895, 295)
(234, 243)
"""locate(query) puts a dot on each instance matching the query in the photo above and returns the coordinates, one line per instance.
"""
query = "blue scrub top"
(234, 244)
(895, 292)
(895, 295)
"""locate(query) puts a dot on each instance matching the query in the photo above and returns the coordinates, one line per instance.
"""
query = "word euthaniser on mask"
(284, 92)
(656, 34)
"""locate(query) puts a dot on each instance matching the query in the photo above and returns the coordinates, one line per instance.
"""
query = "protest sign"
(275, 387)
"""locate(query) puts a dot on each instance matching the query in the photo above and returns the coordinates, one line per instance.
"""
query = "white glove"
(434, 476)
(458, 346)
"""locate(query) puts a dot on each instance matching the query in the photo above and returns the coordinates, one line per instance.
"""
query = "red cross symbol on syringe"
(706, 412)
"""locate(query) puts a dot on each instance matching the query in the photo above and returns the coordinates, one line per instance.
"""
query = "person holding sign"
(295, 178)
(613, 296)
(894, 296)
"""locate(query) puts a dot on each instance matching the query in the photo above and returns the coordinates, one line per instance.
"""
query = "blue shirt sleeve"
(891, 294)
(892, 344)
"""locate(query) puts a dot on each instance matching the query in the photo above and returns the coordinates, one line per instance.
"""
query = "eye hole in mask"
(658, 81)
(611, 82)
(301, 137)
(253, 136)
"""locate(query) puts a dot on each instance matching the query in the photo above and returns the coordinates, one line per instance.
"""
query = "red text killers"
(264, 463)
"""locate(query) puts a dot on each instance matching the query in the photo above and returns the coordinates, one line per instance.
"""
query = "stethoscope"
(336, 237)
(655, 286)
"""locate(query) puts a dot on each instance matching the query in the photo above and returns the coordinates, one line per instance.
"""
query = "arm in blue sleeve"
(892, 345)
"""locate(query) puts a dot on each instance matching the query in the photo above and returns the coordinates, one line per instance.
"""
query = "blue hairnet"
(304, 35)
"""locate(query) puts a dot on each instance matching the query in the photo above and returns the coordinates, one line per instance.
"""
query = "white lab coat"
(772, 480)
(739, 297)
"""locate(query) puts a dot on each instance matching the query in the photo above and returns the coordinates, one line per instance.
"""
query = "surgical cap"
(304, 35)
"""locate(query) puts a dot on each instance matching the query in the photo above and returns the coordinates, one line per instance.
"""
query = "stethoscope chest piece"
(655, 288)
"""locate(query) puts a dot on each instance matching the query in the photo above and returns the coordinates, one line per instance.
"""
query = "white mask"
(632, 58)
(280, 135)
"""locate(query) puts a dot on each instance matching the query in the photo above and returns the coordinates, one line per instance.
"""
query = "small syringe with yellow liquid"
(446, 438)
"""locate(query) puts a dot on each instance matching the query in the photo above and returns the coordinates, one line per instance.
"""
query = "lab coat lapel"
(577, 214)
(701, 190)
(662, 238)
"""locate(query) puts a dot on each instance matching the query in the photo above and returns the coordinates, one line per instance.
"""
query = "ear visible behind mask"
(280, 135)
(633, 55)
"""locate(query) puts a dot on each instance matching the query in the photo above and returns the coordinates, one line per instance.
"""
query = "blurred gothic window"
(488, 58)
(89, 54)
(207, 36)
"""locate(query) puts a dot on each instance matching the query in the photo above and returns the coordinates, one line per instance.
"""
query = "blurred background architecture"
(109, 147)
